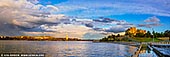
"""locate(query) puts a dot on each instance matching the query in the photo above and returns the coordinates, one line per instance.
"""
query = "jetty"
(162, 49)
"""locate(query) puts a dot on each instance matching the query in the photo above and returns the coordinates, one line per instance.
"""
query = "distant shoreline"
(45, 40)
(41, 38)
(121, 42)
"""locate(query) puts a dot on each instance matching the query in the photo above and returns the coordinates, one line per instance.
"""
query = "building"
(67, 37)
(141, 31)
(133, 31)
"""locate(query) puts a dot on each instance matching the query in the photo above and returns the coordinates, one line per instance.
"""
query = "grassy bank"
(133, 39)
(146, 39)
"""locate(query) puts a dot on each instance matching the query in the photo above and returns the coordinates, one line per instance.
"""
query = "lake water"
(67, 48)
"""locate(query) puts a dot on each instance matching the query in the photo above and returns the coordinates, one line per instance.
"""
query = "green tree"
(167, 33)
(118, 35)
(139, 35)
(128, 34)
(162, 34)
(148, 34)
(104, 39)
(154, 34)
(109, 36)
(112, 37)
(159, 34)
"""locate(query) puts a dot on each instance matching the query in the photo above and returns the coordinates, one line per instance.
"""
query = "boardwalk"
(136, 54)
(161, 48)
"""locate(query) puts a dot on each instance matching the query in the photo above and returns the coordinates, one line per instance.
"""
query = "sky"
(85, 19)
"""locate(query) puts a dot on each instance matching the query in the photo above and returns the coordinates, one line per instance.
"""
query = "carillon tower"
(67, 37)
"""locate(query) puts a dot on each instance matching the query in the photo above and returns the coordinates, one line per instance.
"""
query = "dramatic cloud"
(52, 8)
(89, 8)
(105, 20)
(124, 23)
(116, 29)
(19, 15)
(93, 35)
(152, 19)
(149, 25)
(30, 17)
(109, 25)
(89, 25)
(150, 22)
(72, 30)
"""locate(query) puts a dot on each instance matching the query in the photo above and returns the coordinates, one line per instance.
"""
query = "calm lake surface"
(68, 48)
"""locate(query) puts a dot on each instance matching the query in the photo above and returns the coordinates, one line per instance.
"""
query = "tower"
(66, 37)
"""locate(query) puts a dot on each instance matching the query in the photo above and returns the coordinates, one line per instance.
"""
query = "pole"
(153, 34)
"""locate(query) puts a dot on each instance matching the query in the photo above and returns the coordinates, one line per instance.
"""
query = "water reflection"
(67, 48)
(147, 53)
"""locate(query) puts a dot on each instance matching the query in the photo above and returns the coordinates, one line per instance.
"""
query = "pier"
(161, 49)
(136, 54)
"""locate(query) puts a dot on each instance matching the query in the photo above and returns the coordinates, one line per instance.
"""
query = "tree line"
(148, 34)
(152, 34)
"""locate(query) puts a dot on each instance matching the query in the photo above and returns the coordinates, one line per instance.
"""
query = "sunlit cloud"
(91, 8)
(32, 17)
(151, 22)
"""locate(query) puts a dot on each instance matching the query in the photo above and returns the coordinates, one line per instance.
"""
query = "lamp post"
(153, 34)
